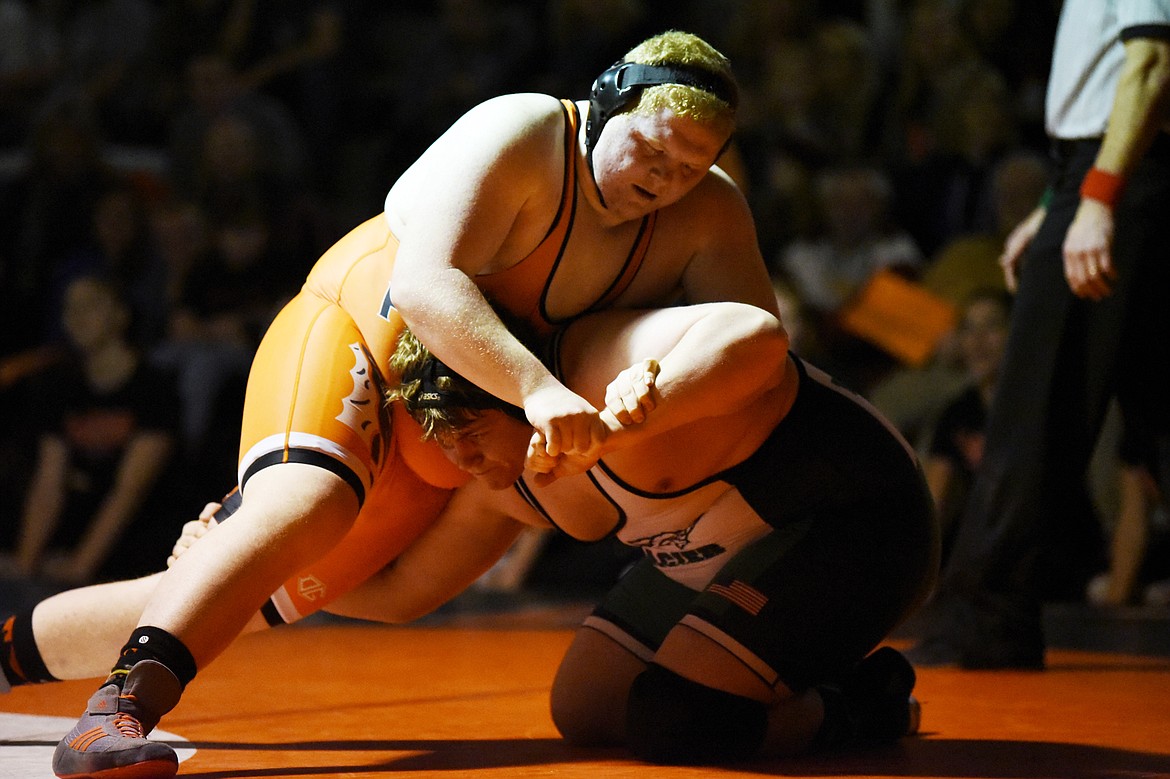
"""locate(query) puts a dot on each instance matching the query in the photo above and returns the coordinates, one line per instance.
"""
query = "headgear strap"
(623, 82)
(442, 388)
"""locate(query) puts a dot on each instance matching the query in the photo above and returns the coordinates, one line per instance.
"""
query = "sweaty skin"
(492, 177)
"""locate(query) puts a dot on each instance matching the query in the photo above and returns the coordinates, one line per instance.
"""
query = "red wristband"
(1102, 186)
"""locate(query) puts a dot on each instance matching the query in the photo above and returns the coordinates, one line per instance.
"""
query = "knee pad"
(672, 720)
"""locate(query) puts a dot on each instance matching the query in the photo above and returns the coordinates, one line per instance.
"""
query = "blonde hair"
(408, 359)
(438, 398)
(683, 48)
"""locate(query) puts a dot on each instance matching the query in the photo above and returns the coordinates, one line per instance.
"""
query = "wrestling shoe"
(878, 697)
(109, 742)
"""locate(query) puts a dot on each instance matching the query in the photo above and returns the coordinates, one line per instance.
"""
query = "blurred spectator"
(956, 442)
(288, 50)
(186, 30)
(580, 32)
(449, 57)
(215, 90)
(245, 280)
(30, 60)
(109, 51)
(231, 175)
(119, 247)
(781, 197)
(776, 107)
(947, 192)
(934, 53)
(1139, 535)
(1016, 40)
(224, 301)
(189, 28)
(843, 107)
(104, 451)
(857, 239)
(968, 265)
(235, 180)
(237, 249)
(751, 32)
(210, 362)
(767, 41)
(971, 261)
(46, 213)
(18, 429)
(179, 234)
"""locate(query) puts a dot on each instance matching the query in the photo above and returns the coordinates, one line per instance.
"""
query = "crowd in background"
(195, 157)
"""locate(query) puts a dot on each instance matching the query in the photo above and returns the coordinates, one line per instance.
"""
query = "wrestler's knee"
(582, 716)
(671, 719)
(591, 688)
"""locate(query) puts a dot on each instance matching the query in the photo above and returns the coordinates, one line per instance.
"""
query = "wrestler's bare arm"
(478, 200)
(726, 263)
(713, 359)
(474, 531)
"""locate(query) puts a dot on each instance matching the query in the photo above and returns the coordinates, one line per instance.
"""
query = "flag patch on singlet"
(743, 595)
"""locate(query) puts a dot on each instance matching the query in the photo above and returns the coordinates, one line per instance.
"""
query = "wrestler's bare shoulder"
(500, 126)
(705, 249)
(716, 196)
(714, 212)
(515, 137)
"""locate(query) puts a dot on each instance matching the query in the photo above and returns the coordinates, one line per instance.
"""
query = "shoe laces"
(128, 726)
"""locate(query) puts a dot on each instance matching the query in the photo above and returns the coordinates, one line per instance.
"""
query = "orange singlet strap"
(633, 262)
(521, 289)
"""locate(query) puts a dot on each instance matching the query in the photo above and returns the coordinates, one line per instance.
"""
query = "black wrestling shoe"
(109, 741)
(877, 697)
(871, 705)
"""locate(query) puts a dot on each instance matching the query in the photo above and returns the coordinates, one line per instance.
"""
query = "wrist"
(617, 434)
(1103, 186)
(538, 382)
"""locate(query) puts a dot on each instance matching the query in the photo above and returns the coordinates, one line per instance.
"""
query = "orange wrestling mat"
(355, 700)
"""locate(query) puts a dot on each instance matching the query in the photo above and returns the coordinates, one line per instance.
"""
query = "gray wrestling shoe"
(109, 741)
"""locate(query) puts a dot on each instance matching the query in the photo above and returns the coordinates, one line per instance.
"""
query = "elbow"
(426, 299)
(1156, 75)
(766, 338)
(754, 341)
(407, 295)
(1149, 64)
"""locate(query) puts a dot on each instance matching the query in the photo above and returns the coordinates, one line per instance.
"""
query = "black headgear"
(442, 388)
(623, 83)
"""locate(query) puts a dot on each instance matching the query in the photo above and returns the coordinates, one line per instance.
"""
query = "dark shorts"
(852, 551)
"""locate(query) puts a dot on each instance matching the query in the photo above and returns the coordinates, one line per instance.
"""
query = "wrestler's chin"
(631, 210)
(499, 478)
